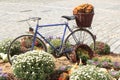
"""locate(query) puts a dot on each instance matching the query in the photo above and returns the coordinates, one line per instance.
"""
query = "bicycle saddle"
(69, 17)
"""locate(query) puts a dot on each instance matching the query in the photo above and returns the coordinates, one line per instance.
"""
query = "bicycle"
(25, 43)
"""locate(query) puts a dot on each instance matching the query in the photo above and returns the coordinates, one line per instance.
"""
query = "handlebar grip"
(35, 18)
(31, 18)
(23, 20)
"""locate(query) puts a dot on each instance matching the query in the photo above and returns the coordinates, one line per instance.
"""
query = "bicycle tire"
(22, 44)
(79, 34)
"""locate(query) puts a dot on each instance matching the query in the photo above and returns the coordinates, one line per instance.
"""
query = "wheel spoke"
(23, 44)
(77, 37)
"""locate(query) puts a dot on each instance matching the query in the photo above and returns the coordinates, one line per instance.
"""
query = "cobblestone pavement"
(106, 23)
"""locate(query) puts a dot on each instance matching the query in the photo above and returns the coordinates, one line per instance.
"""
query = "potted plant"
(83, 52)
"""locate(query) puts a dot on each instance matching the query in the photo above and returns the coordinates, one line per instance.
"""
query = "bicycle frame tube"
(35, 34)
(50, 25)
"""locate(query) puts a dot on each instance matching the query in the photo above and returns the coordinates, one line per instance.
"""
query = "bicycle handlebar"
(31, 18)
(38, 18)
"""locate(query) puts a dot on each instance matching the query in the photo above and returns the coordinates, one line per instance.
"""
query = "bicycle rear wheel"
(79, 37)
(23, 44)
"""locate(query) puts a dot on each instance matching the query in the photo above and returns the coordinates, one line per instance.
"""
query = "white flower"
(35, 62)
(89, 73)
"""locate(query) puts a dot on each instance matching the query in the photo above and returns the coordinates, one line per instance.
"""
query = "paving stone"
(106, 22)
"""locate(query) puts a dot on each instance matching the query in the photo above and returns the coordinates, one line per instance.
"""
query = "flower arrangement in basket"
(84, 15)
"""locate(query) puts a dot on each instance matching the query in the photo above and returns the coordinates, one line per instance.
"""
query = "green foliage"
(83, 54)
(105, 59)
(101, 48)
(33, 65)
(15, 48)
(4, 45)
(2, 78)
(56, 43)
(89, 72)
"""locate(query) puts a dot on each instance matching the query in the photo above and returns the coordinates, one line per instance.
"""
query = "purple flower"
(116, 64)
(4, 75)
(96, 63)
(50, 37)
(0, 69)
(114, 73)
(62, 68)
(1, 75)
(58, 38)
(105, 63)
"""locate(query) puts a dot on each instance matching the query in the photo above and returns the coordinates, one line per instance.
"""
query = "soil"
(6, 67)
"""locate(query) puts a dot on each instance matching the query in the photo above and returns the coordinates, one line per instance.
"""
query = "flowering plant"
(116, 65)
(33, 65)
(106, 64)
(83, 8)
(2, 75)
(89, 72)
(4, 45)
(101, 48)
(83, 55)
(56, 42)
(103, 63)
(94, 62)
(115, 74)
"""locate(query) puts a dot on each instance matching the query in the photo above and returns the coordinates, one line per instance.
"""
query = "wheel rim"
(23, 44)
(80, 36)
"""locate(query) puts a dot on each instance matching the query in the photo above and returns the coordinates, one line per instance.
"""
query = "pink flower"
(116, 64)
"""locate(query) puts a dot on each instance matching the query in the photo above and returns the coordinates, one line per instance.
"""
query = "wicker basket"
(84, 19)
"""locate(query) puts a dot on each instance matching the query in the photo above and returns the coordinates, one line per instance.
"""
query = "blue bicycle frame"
(49, 25)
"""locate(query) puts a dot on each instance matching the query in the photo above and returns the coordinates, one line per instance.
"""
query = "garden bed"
(6, 67)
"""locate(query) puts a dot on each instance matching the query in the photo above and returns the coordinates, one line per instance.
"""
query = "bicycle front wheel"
(77, 37)
(23, 44)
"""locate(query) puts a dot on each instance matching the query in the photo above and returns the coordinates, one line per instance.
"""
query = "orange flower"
(84, 8)
(75, 11)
